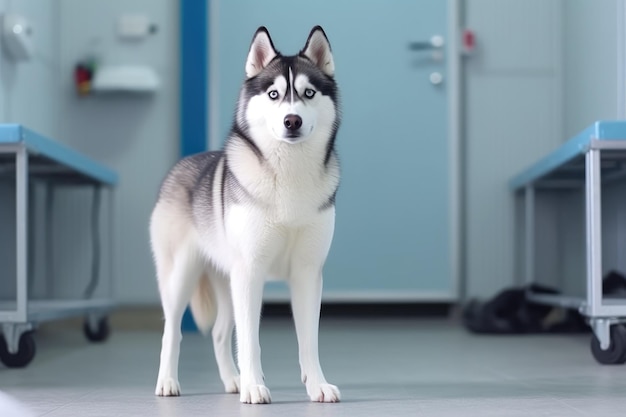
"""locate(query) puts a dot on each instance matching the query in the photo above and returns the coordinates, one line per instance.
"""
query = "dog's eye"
(273, 94)
(309, 93)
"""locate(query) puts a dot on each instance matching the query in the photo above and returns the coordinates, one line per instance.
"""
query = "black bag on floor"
(510, 312)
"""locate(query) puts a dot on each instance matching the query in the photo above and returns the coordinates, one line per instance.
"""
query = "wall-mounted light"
(16, 33)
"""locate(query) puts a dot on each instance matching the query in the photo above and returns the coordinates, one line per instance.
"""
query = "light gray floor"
(384, 367)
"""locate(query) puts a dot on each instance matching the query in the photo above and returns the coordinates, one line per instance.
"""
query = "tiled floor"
(385, 367)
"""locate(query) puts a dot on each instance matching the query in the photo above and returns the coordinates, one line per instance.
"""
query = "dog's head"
(291, 98)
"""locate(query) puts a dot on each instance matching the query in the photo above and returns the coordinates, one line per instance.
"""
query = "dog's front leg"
(247, 294)
(306, 296)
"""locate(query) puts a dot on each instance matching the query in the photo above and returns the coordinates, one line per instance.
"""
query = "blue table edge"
(39, 144)
(601, 130)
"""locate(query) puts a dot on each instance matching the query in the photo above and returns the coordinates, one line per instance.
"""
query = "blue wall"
(193, 100)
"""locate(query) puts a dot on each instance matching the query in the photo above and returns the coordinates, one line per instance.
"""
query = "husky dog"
(262, 207)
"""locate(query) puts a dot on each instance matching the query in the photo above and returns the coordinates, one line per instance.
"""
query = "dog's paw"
(167, 387)
(232, 384)
(323, 393)
(255, 394)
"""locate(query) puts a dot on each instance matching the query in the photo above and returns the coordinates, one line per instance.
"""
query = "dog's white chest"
(295, 204)
(293, 191)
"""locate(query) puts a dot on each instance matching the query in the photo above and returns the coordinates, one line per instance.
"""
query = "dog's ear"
(317, 49)
(261, 52)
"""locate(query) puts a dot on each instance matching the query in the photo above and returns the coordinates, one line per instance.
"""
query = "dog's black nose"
(293, 122)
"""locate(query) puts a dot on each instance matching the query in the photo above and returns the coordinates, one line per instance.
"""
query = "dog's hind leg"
(223, 333)
(176, 292)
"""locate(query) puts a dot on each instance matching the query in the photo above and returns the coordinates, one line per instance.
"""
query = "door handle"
(435, 42)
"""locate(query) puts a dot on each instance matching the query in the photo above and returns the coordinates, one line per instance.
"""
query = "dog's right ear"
(261, 52)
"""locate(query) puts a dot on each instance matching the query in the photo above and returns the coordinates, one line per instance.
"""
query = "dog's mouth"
(294, 137)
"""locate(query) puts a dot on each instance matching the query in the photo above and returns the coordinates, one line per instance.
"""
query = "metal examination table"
(591, 159)
(26, 158)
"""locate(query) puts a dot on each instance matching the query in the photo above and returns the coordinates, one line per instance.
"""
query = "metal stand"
(605, 316)
(56, 165)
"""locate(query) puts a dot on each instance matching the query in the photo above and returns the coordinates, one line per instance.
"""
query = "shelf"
(125, 78)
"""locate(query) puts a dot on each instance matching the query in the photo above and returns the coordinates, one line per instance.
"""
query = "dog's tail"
(203, 308)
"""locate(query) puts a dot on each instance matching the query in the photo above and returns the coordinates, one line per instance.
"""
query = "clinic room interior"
(398, 208)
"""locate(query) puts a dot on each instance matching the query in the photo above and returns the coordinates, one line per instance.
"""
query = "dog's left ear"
(317, 49)
(262, 51)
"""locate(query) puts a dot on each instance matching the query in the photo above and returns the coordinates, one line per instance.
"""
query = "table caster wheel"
(616, 353)
(100, 333)
(25, 352)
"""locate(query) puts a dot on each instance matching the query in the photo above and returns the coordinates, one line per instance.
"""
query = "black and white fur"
(264, 206)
